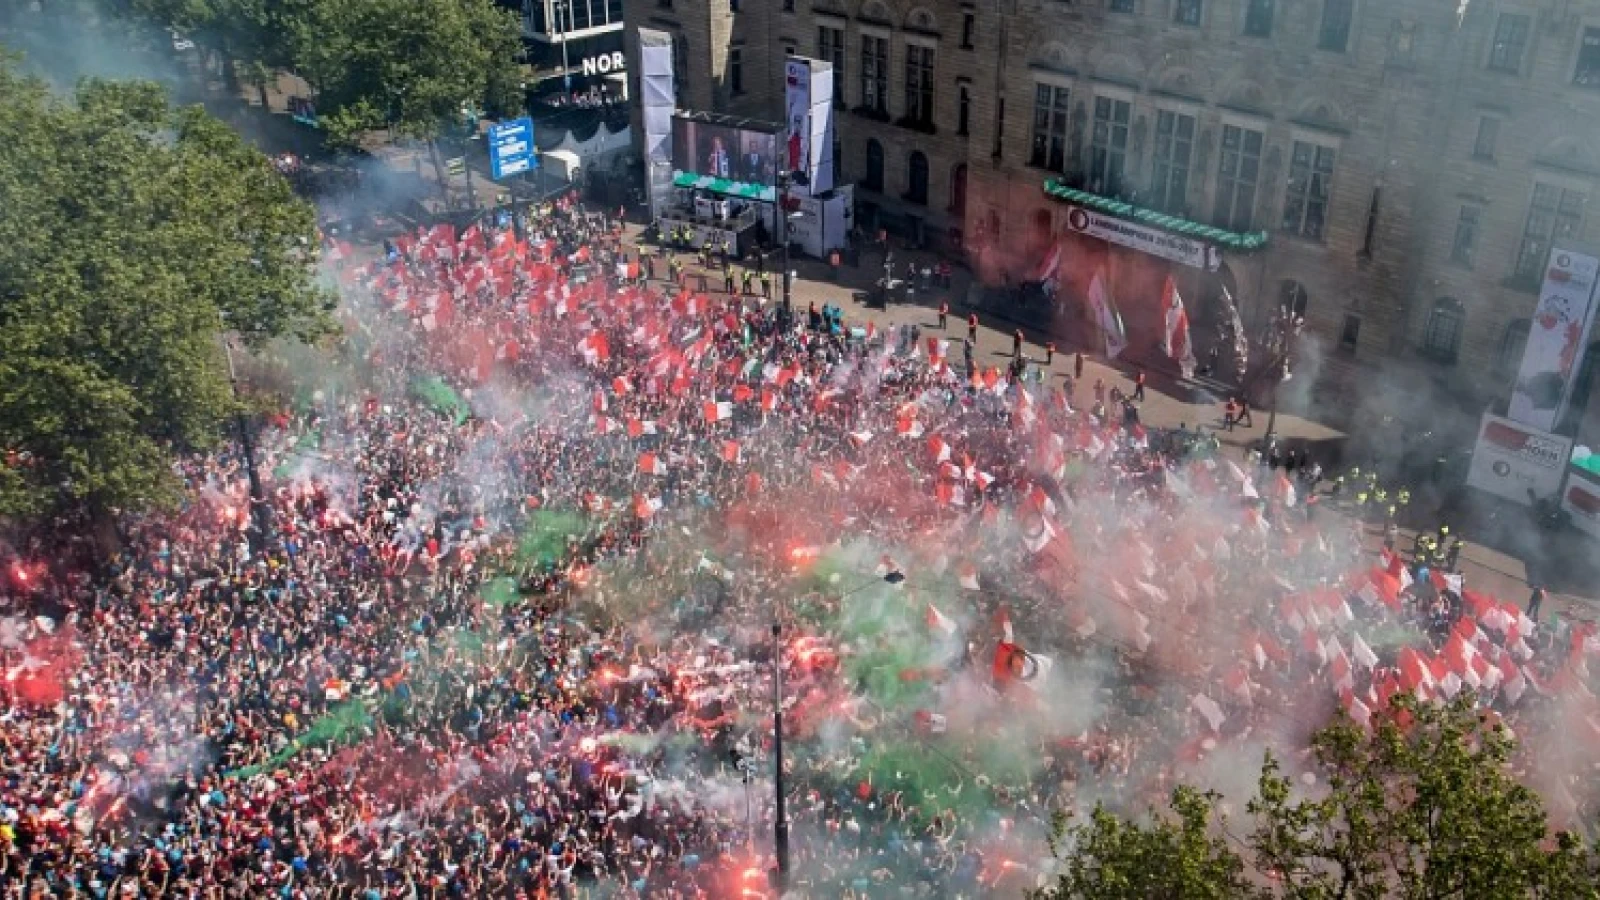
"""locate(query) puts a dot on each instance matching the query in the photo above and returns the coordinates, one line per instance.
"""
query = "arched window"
(958, 189)
(1515, 339)
(1442, 339)
(917, 177)
(1293, 297)
(874, 178)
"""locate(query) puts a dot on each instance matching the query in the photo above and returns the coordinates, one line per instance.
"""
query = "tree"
(1423, 808)
(255, 38)
(1177, 857)
(129, 231)
(409, 65)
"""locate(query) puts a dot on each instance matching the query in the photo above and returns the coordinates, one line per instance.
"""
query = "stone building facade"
(1411, 161)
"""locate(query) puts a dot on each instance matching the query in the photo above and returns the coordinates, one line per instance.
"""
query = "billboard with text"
(1556, 338)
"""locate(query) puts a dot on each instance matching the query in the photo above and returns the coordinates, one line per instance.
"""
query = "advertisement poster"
(1556, 339)
(1582, 501)
(820, 154)
(1512, 459)
(1135, 236)
(796, 111)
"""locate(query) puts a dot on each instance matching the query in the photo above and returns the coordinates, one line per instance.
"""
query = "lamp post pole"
(566, 25)
(783, 248)
(257, 533)
(780, 826)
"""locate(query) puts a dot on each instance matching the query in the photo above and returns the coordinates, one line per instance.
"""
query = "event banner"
(1556, 338)
(796, 114)
(1582, 500)
(1511, 459)
(819, 158)
(1154, 241)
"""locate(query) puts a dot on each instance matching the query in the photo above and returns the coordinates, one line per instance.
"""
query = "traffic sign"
(511, 147)
(456, 165)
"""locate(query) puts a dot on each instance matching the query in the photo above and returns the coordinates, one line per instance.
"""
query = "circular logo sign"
(1564, 261)
(1078, 220)
(1502, 468)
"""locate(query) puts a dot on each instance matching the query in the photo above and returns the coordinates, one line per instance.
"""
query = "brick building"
(1395, 171)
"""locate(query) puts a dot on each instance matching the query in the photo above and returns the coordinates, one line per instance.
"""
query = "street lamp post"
(257, 532)
(566, 66)
(780, 826)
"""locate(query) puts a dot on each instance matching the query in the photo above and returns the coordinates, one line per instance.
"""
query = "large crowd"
(500, 624)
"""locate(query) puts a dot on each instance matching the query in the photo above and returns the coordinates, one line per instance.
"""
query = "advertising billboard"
(1135, 236)
(808, 122)
(725, 152)
(797, 114)
(1512, 458)
(1556, 338)
(1582, 500)
(510, 147)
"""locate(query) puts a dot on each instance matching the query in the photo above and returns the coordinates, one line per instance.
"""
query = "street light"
(566, 67)
(780, 825)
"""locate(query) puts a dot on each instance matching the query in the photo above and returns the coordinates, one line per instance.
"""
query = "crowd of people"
(500, 624)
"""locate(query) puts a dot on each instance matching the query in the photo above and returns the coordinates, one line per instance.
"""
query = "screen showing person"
(757, 155)
(718, 157)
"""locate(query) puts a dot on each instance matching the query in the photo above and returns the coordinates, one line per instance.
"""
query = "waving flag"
(1175, 329)
(1107, 317)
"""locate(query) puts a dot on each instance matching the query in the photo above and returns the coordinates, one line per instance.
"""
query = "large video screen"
(722, 151)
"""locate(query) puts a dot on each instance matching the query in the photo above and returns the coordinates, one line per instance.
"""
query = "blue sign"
(511, 147)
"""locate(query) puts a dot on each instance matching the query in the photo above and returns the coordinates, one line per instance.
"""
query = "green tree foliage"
(1181, 856)
(1423, 808)
(409, 65)
(128, 231)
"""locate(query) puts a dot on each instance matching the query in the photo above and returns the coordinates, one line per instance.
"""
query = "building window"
(1350, 334)
(1305, 203)
(1369, 236)
(963, 110)
(1336, 18)
(830, 46)
(874, 179)
(1442, 337)
(1108, 145)
(958, 189)
(1488, 134)
(1169, 185)
(1258, 18)
(664, 4)
(736, 71)
(1187, 12)
(788, 5)
(680, 67)
(969, 22)
(919, 84)
(875, 74)
(1508, 356)
(733, 5)
(1466, 239)
(917, 177)
(1122, 6)
(1555, 214)
(1510, 39)
(1587, 73)
(838, 161)
(1049, 128)
(1238, 170)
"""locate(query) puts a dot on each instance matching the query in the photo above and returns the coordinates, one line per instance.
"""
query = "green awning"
(725, 186)
(1231, 240)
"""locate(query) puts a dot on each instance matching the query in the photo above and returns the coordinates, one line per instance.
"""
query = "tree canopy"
(1422, 808)
(411, 65)
(129, 231)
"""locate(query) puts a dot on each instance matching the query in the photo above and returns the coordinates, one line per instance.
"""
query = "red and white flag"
(940, 623)
(649, 464)
(718, 411)
(644, 507)
(621, 385)
(640, 427)
(968, 576)
(939, 449)
(731, 452)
